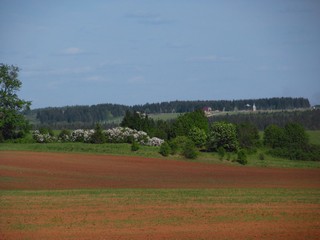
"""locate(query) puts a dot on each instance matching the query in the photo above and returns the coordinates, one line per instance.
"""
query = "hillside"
(111, 114)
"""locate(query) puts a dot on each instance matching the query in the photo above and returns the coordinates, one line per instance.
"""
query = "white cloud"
(263, 68)
(96, 79)
(72, 51)
(136, 80)
(210, 58)
(43, 71)
(148, 18)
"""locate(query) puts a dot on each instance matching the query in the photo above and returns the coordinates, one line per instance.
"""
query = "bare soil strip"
(30, 170)
(104, 217)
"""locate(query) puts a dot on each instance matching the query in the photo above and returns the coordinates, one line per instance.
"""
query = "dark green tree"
(198, 136)
(274, 136)
(12, 120)
(98, 136)
(222, 134)
(290, 142)
(138, 121)
(295, 136)
(248, 135)
(186, 122)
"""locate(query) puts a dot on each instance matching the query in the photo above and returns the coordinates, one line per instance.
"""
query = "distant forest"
(310, 119)
(86, 116)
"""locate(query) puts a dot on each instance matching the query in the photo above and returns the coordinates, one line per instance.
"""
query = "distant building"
(207, 109)
(254, 108)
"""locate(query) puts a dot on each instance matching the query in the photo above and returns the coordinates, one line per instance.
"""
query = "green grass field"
(314, 137)
(165, 116)
(158, 196)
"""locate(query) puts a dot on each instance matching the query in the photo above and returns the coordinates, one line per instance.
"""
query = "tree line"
(192, 132)
(224, 105)
(73, 116)
(309, 119)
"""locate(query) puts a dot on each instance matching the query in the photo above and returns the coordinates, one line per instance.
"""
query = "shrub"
(198, 136)
(1, 137)
(44, 130)
(42, 138)
(64, 136)
(98, 136)
(135, 146)
(189, 150)
(81, 135)
(128, 135)
(165, 149)
(174, 147)
(221, 152)
(178, 143)
(261, 156)
(153, 142)
(290, 142)
(242, 157)
(228, 156)
(114, 135)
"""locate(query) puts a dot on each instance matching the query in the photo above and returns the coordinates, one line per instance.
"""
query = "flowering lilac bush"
(43, 138)
(128, 135)
(81, 135)
(125, 135)
(154, 142)
(114, 135)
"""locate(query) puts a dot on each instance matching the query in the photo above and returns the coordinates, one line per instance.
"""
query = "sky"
(77, 52)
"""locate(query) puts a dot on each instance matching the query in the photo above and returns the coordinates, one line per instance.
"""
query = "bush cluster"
(182, 145)
(191, 132)
(290, 142)
(242, 157)
(165, 149)
(114, 135)
(43, 137)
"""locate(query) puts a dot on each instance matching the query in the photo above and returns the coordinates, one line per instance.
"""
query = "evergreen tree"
(98, 136)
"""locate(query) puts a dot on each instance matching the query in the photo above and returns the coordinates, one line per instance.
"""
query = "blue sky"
(133, 52)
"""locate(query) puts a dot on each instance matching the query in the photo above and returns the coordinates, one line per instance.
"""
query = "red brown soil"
(102, 217)
(30, 170)
(98, 218)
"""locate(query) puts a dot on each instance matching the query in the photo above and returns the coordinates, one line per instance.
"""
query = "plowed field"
(25, 170)
(79, 196)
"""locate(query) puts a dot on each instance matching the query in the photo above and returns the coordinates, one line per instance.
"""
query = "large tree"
(248, 135)
(11, 106)
(223, 134)
(184, 123)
